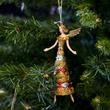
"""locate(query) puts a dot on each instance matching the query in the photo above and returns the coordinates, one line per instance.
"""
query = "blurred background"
(26, 72)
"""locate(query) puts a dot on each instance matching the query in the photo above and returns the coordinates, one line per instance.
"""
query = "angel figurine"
(64, 85)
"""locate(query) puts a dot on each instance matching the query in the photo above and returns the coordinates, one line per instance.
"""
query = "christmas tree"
(27, 79)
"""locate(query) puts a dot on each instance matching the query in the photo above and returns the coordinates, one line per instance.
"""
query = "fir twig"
(14, 99)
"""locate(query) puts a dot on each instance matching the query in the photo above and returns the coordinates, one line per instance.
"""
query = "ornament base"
(64, 91)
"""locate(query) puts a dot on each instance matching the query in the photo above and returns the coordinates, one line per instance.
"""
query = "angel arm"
(67, 43)
(47, 49)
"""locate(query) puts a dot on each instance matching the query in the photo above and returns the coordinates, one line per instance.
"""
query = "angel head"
(64, 30)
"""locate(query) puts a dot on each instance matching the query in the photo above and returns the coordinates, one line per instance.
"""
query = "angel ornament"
(64, 85)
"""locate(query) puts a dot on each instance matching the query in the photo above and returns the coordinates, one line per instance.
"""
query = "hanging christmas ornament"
(64, 85)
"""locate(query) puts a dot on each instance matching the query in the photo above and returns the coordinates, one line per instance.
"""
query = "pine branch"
(34, 82)
(14, 99)
(96, 65)
(103, 45)
(24, 32)
(88, 18)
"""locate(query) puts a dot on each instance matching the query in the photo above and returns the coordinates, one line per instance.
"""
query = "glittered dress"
(64, 85)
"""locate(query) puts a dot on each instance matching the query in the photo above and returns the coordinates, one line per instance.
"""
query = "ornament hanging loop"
(60, 5)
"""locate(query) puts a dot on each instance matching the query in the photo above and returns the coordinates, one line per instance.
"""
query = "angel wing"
(75, 32)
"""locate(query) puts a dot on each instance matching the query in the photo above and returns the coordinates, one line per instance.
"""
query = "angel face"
(65, 30)
(62, 28)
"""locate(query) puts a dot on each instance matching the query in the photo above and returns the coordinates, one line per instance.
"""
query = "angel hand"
(46, 49)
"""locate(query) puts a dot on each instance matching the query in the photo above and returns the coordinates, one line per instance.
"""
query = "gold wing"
(75, 32)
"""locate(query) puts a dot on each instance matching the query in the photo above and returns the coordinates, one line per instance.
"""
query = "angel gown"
(64, 85)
